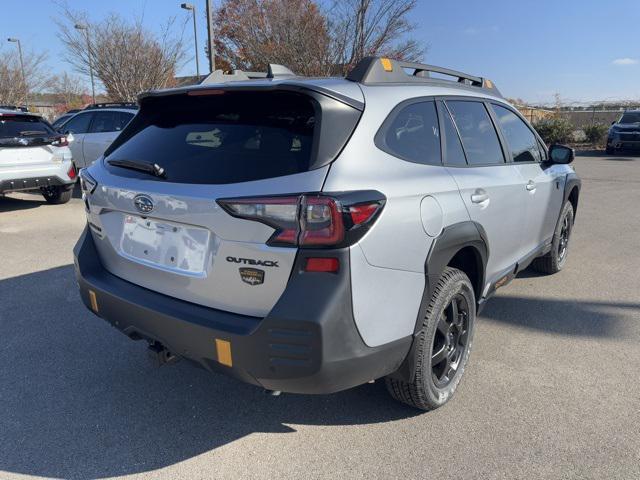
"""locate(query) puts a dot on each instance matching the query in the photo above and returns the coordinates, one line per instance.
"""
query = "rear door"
(491, 189)
(78, 126)
(543, 182)
(170, 234)
(105, 126)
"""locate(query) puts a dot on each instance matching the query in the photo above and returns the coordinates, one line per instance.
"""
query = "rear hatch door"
(166, 231)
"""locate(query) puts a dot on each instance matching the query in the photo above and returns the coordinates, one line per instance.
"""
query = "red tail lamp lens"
(362, 213)
(326, 265)
(322, 222)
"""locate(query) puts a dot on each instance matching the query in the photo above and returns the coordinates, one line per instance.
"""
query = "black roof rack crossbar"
(376, 70)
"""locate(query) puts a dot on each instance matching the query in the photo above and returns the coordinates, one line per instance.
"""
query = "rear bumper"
(14, 180)
(308, 343)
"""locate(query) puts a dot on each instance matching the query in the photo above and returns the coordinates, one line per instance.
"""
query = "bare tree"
(12, 87)
(126, 57)
(69, 90)
(252, 33)
(360, 28)
(297, 33)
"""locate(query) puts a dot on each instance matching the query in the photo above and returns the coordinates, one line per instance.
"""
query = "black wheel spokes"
(450, 340)
(565, 231)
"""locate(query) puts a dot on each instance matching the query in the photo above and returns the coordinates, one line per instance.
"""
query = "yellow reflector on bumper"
(223, 348)
(386, 64)
(94, 301)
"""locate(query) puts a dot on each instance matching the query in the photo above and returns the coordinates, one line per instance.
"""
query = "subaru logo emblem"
(143, 203)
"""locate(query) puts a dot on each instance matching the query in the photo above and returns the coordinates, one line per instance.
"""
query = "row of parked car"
(37, 155)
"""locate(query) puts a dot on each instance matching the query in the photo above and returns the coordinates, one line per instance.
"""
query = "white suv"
(95, 127)
(33, 156)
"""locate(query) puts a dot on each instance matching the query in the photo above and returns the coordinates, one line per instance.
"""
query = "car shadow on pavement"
(11, 204)
(563, 317)
(33, 200)
(80, 400)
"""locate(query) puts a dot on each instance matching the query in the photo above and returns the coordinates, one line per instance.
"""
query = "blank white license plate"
(166, 245)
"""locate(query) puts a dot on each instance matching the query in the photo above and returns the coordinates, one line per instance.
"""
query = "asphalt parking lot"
(552, 389)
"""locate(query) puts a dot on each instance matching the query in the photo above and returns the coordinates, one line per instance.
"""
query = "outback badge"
(252, 276)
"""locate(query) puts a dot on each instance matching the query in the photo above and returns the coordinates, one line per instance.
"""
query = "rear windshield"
(228, 137)
(23, 126)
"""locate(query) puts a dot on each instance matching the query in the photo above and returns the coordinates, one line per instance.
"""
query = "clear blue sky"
(581, 49)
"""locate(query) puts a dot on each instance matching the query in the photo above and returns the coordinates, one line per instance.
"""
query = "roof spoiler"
(380, 70)
(275, 71)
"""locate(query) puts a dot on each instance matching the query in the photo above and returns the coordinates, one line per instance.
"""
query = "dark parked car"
(625, 133)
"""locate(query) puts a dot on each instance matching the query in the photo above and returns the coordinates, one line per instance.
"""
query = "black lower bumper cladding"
(308, 343)
(33, 183)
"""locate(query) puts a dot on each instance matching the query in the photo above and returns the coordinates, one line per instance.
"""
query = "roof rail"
(377, 70)
(275, 71)
(112, 105)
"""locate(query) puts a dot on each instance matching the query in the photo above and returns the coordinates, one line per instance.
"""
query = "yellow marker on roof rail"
(488, 83)
(386, 64)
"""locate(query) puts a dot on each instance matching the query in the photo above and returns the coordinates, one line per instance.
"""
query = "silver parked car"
(95, 128)
(311, 235)
(33, 156)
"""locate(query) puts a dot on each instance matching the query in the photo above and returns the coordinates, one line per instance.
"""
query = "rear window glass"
(23, 126)
(226, 138)
(414, 134)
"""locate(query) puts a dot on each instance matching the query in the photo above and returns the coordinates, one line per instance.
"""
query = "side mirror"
(561, 154)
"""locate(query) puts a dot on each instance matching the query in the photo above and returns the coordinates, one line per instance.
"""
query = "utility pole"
(24, 78)
(79, 26)
(210, 39)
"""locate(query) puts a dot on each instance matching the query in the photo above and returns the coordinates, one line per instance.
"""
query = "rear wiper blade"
(151, 168)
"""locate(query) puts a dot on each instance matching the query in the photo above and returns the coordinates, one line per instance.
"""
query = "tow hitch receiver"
(160, 355)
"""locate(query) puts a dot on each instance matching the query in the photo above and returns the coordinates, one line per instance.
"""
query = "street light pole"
(210, 49)
(189, 6)
(24, 77)
(79, 26)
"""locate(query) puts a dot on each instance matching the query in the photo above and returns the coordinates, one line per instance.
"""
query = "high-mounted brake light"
(311, 220)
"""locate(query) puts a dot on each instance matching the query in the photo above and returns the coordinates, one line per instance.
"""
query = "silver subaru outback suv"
(312, 235)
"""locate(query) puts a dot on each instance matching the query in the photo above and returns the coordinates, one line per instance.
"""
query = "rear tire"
(57, 195)
(553, 261)
(442, 346)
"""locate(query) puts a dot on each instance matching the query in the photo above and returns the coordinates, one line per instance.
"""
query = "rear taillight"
(72, 172)
(311, 220)
(61, 141)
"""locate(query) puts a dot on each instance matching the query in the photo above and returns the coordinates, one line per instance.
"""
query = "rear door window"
(79, 123)
(522, 142)
(224, 138)
(478, 134)
(413, 134)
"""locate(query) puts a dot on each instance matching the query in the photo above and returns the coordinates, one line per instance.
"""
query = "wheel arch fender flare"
(572, 187)
(468, 236)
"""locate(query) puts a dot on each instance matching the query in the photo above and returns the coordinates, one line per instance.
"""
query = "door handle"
(531, 186)
(479, 196)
